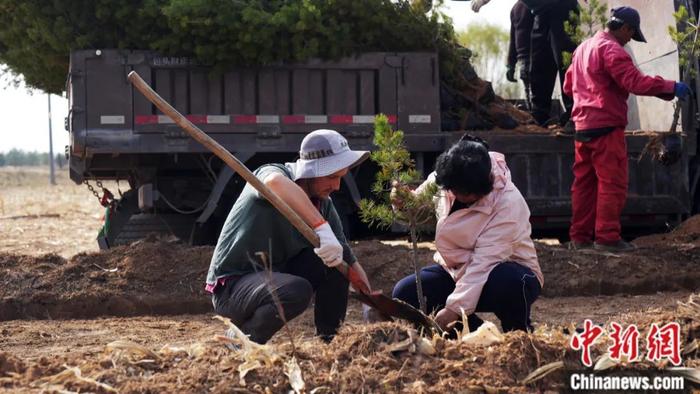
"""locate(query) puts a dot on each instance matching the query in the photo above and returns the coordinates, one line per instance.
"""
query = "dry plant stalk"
(691, 308)
(132, 353)
(70, 375)
(486, 335)
(415, 343)
(267, 265)
(542, 371)
(606, 362)
(193, 350)
(293, 372)
(692, 374)
(253, 355)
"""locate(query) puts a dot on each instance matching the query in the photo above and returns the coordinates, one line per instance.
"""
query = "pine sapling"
(589, 19)
(667, 147)
(411, 209)
(687, 40)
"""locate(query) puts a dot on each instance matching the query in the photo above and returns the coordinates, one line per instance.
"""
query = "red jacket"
(600, 78)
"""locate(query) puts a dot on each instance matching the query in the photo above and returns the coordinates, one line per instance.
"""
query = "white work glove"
(330, 250)
(477, 4)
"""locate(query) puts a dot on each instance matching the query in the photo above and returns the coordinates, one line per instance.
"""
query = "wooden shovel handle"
(242, 170)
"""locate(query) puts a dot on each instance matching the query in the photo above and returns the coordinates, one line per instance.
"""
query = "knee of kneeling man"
(301, 295)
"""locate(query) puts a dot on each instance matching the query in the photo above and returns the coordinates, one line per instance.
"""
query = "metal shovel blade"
(402, 310)
(387, 307)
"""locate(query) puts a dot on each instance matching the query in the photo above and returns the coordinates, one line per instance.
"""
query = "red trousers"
(599, 190)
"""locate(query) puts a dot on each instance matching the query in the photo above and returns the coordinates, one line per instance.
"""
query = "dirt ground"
(155, 277)
(187, 354)
(36, 218)
(62, 302)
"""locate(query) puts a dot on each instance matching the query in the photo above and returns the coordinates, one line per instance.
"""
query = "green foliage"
(395, 164)
(685, 35)
(590, 19)
(376, 214)
(37, 36)
(489, 55)
(19, 158)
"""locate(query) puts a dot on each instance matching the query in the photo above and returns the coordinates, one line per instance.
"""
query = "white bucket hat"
(324, 152)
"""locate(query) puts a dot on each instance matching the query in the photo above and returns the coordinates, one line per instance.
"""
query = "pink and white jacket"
(470, 242)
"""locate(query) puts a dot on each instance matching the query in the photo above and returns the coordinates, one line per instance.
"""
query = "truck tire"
(148, 225)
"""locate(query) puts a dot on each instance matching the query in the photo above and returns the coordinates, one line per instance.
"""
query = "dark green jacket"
(254, 225)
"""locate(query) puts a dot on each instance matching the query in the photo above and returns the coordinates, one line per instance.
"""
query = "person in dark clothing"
(534, 5)
(521, 20)
(547, 43)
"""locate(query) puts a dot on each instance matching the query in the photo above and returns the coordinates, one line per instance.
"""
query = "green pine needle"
(395, 164)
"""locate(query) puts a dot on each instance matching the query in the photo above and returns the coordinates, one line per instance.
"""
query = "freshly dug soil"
(162, 277)
(362, 358)
(685, 236)
(662, 262)
(144, 278)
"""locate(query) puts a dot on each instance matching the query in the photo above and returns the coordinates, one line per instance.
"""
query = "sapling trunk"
(676, 116)
(414, 209)
(416, 268)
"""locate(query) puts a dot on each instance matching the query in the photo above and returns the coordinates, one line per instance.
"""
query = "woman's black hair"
(465, 168)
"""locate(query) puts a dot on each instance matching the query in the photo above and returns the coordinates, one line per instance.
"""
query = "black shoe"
(569, 129)
(545, 123)
(326, 338)
(619, 246)
(573, 245)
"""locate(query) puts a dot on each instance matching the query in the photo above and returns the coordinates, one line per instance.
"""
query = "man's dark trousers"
(548, 41)
(248, 302)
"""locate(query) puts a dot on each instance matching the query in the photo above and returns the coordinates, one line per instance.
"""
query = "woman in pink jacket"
(486, 260)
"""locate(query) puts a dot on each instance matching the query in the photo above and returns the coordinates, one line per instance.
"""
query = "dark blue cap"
(629, 16)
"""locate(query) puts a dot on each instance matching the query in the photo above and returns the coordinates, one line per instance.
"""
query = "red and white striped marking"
(264, 119)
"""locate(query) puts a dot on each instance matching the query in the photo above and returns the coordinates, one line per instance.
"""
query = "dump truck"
(177, 187)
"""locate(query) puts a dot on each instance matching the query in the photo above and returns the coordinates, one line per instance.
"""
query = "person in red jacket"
(600, 78)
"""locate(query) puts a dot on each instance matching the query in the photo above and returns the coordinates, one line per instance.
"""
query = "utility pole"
(52, 176)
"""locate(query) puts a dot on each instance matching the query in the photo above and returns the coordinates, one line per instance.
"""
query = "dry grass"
(36, 218)
(381, 357)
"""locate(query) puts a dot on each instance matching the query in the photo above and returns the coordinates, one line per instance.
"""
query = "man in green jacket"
(241, 289)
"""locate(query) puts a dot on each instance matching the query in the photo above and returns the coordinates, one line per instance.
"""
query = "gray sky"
(25, 114)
